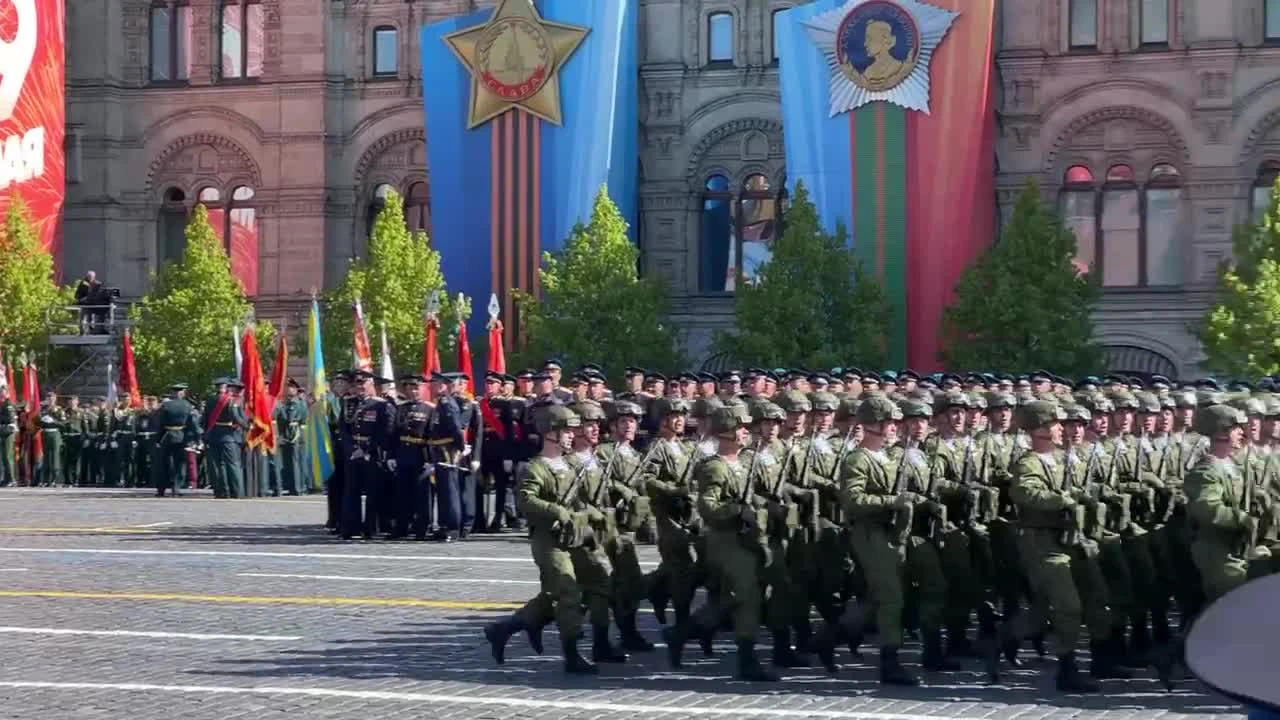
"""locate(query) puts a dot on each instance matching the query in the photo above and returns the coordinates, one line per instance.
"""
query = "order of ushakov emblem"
(880, 50)
(514, 60)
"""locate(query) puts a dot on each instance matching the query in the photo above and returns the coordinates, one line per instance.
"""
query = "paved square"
(114, 604)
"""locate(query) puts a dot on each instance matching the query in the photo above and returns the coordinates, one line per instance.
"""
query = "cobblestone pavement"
(114, 604)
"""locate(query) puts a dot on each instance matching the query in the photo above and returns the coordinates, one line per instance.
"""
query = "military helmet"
(673, 406)
(947, 400)
(704, 406)
(1218, 418)
(1167, 401)
(1206, 397)
(1272, 402)
(998, 400)
(977, 401)
(724, 420)
(1250, 406)
(823, 401)
(1147, 402)
(1039, 413)
(555, 418)
(767, 411)
(794, 401)
(1077, 413)
(1098, 404)
(626, 408)
(1123, 400)
(589, 411)
(848, 409)
(877, 408)
(912, 408)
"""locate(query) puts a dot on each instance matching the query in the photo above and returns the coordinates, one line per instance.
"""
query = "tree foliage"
(27, 287)
(393, 285)
(183, 328)
(1024, 305)
(813, 305)
(1241, 332)
(594, 305)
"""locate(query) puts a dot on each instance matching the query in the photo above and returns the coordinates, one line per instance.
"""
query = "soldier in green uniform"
(1050, 547)
(8, 438)
(73, 444)
(176, 421)
(552, 499)
(736, 541)
(145, 427)
(52, 420)
(1221, 529)
(223, 421)
(667, 478)
(291, 416)
(124, 436)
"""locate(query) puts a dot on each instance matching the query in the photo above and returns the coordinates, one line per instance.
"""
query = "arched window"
(1079, 214)
(718, 233)
(720, 38)
(386, 51)
(1126, 230)
(1263, 183)
(171, 225)
(211, 198)
(738, 230)
(242, 239)
(376, 204)
(417, 207)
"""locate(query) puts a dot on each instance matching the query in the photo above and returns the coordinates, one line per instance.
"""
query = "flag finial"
(433, 304)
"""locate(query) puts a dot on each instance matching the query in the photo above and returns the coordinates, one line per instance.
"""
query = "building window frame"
(243, 76)
(714, 59)
(1072, 44)
(1143, 42)
(178, 51)
(1264, 181)
(378, 71)
(1270, 14)
(736, 199)
(1120, 177)
(773, 34)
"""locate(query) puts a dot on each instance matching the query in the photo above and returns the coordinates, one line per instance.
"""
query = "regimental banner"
(889, 120)
(531, 107)
(33, 111)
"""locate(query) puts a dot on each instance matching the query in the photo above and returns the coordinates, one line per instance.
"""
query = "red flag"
(279, 373)
(31, 391)
(464, 359)
(497, 356)
(128, 382)
(258, 403)
(430, 356)
(363, 355)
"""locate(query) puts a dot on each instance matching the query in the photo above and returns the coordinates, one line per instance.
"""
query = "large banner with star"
(889, 120)
(530, 108)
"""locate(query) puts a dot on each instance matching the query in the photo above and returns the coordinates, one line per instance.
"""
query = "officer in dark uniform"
(372, 431)
(177, 425)
(445, 436)
(554, 369)
(144, 451)
(495, 467)
(339, 388)
(413, 471)
(470, 489)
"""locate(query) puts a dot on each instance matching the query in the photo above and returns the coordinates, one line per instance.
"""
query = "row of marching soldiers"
(979, 523)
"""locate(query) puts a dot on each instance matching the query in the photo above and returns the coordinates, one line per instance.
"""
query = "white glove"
(506, 466)
(358, 454)
(475, 466)
(391, 464)
(466, 449)
(114, 444)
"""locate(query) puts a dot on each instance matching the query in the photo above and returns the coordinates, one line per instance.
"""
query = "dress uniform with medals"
(372, 433)
(411, 464)
(176, 420)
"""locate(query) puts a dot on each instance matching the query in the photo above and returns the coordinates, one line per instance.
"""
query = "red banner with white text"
(33, 111)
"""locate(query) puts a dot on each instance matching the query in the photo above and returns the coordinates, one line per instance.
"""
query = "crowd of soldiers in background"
(974, 513)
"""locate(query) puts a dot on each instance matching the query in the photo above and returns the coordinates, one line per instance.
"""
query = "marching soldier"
(668, 480)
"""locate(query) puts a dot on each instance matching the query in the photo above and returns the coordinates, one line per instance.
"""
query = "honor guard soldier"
(372, 431)
(145, 431)
(469, 486)
(497, 452)
(555, 369)
(291, 417)
(176, 420)
(73, 457)
(52, 421)
(336, 400)
(447, 440)
(8, 437)
(223, 421)
(411, 464)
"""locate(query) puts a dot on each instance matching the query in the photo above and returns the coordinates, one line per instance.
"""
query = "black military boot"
(659, 597)
(932, 657)
(958, 645)
(803, 635)
(1070, 679)
(1122, 652)
(783, 655)
(676, 636)
(574, 663)
(1102, 662)
(749, 667)
(892, 672)
(603, 651)
(854, 628)
(631, 639)
(498, 633)
(533, 631)
(706, 637)
(1139, 642)
(824, 646)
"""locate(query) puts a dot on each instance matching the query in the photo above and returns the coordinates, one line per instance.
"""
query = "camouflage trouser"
(570, 578)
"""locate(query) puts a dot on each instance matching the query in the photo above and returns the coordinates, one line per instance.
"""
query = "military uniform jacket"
(291, 417)
(1039, 491)
(623, 464)
(996, 453)
(544, 497)
(722, 493)
(446, 430)
(225, 428)
(176, 419)
(1215, 487)
(413, 422)
(53, 419)
(373, 429)
(668, 476)
(8, 419)
(869, 484)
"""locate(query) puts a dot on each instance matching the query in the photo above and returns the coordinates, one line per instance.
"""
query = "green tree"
(1024, 305)
(182, 329)
(594, 306)
(813, 304)
(27, 287)
(1241, 332)
(393, 284)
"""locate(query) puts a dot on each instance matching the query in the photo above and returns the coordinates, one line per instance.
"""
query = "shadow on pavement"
(303, 535)
(453, 649)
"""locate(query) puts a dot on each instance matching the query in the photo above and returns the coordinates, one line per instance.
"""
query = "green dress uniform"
(176, 420)
(73, 438)
(52, 421)
(144, 447)
(8, 442)
(222, 438)
(1219, 524)
(125, 438)
(291, 416)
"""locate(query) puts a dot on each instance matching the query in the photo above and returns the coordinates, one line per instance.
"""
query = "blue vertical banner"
(530, 108)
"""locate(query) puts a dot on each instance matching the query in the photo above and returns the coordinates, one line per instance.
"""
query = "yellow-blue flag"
(319, 445)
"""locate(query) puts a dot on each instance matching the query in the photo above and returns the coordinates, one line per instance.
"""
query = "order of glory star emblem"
(879, 50)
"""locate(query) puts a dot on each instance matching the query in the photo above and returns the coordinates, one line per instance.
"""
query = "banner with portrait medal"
(889, 121)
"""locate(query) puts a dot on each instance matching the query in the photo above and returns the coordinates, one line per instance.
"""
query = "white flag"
(235, 335)
(112, 399)
(388, 373)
